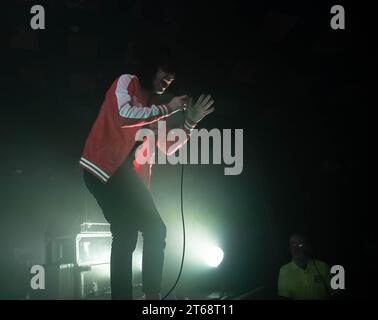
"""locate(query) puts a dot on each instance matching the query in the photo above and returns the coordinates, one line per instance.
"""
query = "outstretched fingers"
(209, 111)
(205, 100)
(208, 104)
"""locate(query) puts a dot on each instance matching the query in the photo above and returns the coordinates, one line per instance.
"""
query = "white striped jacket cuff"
(189, 126)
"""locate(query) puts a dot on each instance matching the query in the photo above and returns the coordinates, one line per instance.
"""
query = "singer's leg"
(117, 207)
(154, 235)
(124, 241)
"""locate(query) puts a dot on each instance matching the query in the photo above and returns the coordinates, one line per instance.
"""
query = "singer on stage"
(116, 180)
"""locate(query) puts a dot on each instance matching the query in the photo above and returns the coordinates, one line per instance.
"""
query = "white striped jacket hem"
(94, 169)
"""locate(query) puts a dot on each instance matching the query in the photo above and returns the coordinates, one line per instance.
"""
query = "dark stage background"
(275, 69)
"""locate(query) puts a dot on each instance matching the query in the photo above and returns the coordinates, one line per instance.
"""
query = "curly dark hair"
(149, 61)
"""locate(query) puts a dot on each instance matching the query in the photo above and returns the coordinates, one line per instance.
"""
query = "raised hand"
(196, 112)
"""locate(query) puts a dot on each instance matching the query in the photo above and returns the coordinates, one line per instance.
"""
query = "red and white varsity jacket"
(112, 137)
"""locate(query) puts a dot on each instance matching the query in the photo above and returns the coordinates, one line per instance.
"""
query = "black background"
(276, 69)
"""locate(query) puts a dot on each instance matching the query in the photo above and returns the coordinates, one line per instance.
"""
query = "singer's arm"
(194, 113)
(167, 146)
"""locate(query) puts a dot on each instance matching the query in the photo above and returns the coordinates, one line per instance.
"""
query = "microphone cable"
(183, 228)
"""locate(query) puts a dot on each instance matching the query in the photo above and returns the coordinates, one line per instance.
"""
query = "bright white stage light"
(213, 256)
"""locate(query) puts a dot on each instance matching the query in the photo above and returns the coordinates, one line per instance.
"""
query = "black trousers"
(128, 206)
